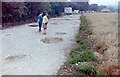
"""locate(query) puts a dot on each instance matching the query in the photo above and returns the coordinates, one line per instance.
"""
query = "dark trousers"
(40, 25)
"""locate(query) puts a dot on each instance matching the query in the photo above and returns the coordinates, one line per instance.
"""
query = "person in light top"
(45, 22)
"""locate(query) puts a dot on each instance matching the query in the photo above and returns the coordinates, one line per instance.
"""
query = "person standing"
(45, 22)
(40, 19)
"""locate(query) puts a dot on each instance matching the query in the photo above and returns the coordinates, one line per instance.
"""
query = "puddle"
(15, 57)
(60, 33)
(51, 40)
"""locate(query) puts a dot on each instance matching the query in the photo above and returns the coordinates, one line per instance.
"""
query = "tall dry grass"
(105, 34)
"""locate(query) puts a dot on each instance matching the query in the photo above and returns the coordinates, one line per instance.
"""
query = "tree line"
(22, 11)
(14, 12)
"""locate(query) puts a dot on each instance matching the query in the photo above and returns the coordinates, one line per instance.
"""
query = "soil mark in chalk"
(15, 57)
(7, 34)
(54, 23)
(51, 40)
(33, 25)
(60, 33)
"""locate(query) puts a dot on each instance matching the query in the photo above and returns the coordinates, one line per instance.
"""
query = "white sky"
(104, 2)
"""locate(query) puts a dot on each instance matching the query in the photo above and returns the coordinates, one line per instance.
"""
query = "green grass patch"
(81, 53)
(83, 46)
(84, 26)
(87, 69)
(87, 56)
(84, 29)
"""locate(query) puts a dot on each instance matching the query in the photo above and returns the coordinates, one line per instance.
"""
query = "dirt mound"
(51, 40)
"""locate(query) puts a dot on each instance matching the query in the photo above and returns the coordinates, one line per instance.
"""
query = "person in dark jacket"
(40, 20)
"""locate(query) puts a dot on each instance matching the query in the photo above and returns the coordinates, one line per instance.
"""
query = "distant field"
(105, 32)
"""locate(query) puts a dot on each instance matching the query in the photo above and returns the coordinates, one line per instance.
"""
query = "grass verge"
(82, 60)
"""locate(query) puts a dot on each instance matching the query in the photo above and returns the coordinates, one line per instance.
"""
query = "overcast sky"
(104, 2)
